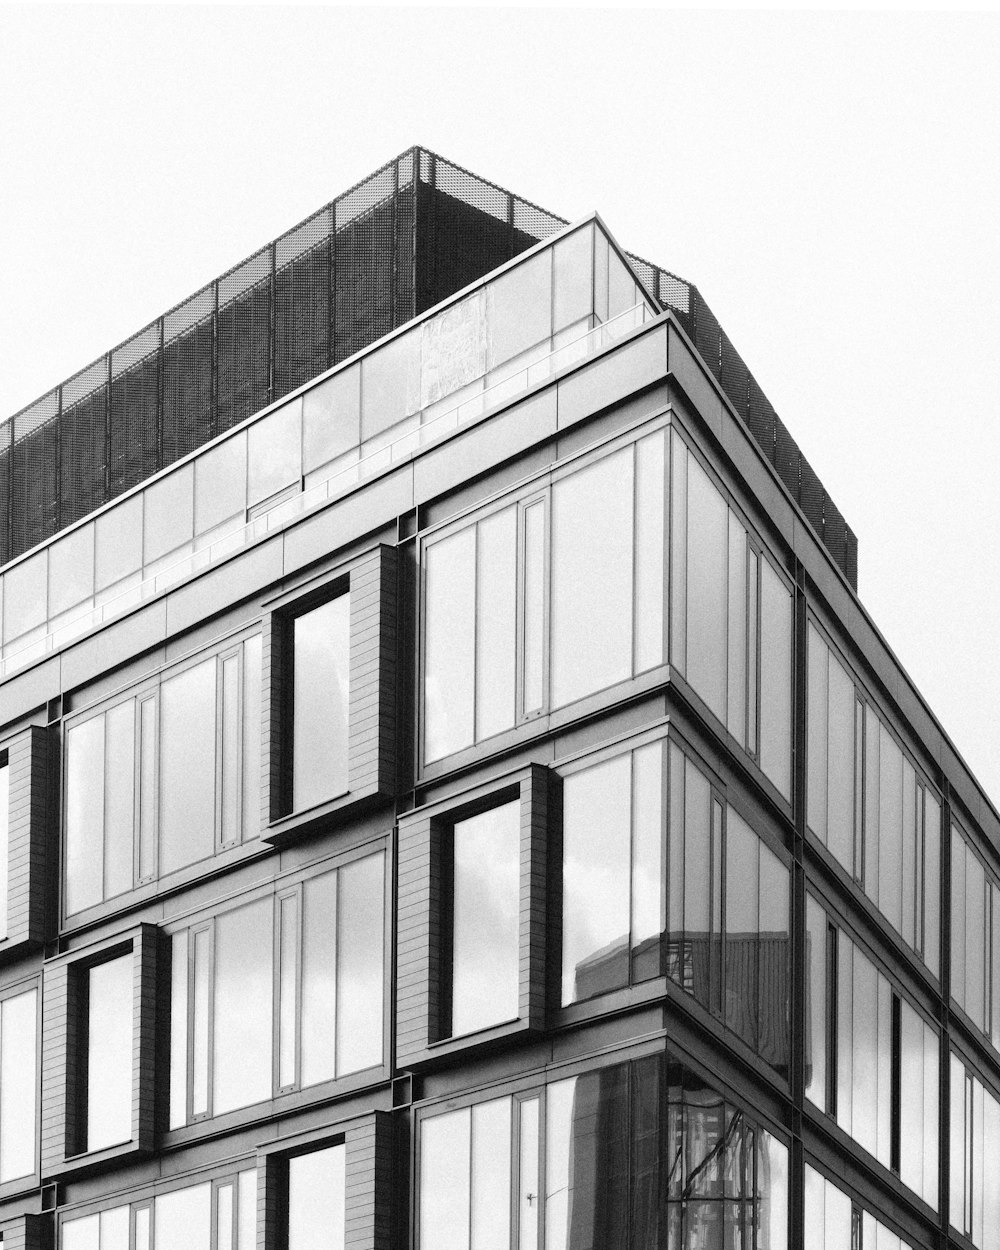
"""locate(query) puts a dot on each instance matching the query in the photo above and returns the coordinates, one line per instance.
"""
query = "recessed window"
(106, 1091)
(320, 702)
(485, 902)
(18, 1082)
(316, 1199)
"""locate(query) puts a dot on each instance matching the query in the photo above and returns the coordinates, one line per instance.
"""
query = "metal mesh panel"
(244, 334)
(761, 418)
(850, 565)
(187, 376)
(484, 196)
(34, 474)
(302, 303)
(362, 263)
(811, 495)
(674, 293)
(707, 334)
(82, 480)
(734, 376)
(835, 533)
(786, 457)
(133, 434)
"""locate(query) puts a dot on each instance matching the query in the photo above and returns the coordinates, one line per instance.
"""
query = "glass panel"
(187, 767)
(224, 1217)
(845, 1031)
(975, 943)
(317, 1200)
(4, 843)
(252, 680)
(707, 584)
(622, 293)
(331, 418)
(559, 1104)
(678, 552)
(119, 800)
(490, 1186)
(816, 931)
(773, 964)
(991, 1174)
(25, 596)
(865, 1087)
(932, 882)
(119, 542)
(650, 549)
(592, 553)
(220, 484)
(444, 1181)
(818, 702)
(452, 352)
(322, 644)
(772, 1187)
(288, 937)
(274, 452)
(533, 696)
(241, 1060)
(115, 1229)
(319, 979)
(109, 1053)
(958, 931)
(147, 788)
(775, 679)
(648, 920)
(390, 383)
(496, 623)
(890, 847)
(596, 886)
(201, 1009)
(168, 513)
(142, 1227)
(84, 814)
(247, 1208)
(695, 964)
(572, 261)
(911, 1077)
(737, 711)
(183, 1219)
(360, 981)
(71, 570)
(485, 919)
(841, 763)
(81, 1234)
(869, 870)
(449, 644)
(528, 1197)
(931, 1136)
(18, 1083)
(178, 1029)
(742, 901)
(519, 308)
(231, 750)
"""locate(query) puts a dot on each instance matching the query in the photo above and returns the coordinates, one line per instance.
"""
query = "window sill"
(289, 828)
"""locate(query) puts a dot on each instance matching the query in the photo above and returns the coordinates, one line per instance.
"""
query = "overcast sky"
(829, 181)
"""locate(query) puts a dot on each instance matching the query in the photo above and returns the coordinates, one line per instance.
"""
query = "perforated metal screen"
(403, 239)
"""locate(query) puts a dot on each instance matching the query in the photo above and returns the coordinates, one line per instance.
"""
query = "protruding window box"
(472, 916)
(24, 819)
(329, 702)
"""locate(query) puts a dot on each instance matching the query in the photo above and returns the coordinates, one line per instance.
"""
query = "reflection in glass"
(321, 680)
(816, 956)
(592, 554)
(316, 1200)
(449, 644)
(220, 484)
(84, 814)
(109, 1053)
(485, 919)
(187, 767)
(318, 1012)
(360, 947)
(18, 1082)
(241, 1059)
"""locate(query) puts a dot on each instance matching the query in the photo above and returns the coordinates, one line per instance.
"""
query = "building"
(451, 795)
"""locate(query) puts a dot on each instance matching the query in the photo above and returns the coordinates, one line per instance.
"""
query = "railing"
(339, 483)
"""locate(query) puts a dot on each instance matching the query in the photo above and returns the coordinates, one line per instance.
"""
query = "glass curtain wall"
(834, 1222)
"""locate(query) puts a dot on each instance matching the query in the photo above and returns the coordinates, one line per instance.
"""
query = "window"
(320, 700)
(4, 841)
(24, 843)
(662, 877)
(546, 600)
(637, 1153)
(975, 1141)
(868, 804)
(18, 1084)
(836, 1223)
(106, 1090)
(316, 1199)
(471, 916)
(975, 936)
(730, 618)
(165, 778)
(217, 1214)
(868, 1043)
(281, 993)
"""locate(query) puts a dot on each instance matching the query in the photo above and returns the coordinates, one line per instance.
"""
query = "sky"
(829, 181)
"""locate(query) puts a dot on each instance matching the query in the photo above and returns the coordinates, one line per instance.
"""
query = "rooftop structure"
(452, 798)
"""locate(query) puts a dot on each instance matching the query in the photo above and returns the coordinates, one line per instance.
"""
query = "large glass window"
(730, 617)
(316, 1194)
(868, 804)
(872, 1043)
(635, 1154)
(279, 994)
(672, 881)
(975, 937)
(4, 841)
(18, 1084)
(106, 1116)
(485, 913)
(216, 1215)
(975, 1147)
(164, 778)
(320, 698)
(544, 602)
(834, 1222)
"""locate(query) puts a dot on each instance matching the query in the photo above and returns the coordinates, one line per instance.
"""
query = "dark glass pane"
(241, 1061)
(817, 716)
(316, 1200)
(890, 841)
(816, 931)
(741, 940)
(736, 717)
(485, 919)
(84, 814)
(696, 956)
(650, 549)
(599, 1150)
(775, 679)
(646, 1174)
(841, 765)
(773, 962)
(322, 642)
(187, 767)
(109, 1053)
(596, 885)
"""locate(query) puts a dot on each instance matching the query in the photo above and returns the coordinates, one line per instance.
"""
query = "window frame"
(30, 759)
(423, 1034)
(31, 1180)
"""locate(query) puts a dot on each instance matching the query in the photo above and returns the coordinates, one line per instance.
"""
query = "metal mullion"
(220, 730)
(295, 894)
(476, 588)
(104, 806)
